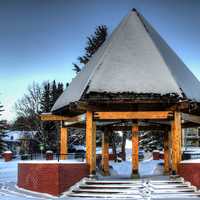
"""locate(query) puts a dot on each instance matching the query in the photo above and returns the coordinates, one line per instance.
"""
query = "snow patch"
(190, 161)
(72, 161)
(8, 152)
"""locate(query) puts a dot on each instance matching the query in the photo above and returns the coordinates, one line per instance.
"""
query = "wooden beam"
(141, 128)
(135, 149)
(132, 115)
(191, 118)
(126, 128)
(105, 153)
(176, 141)
(51, 117)
(63, 143)
(90, 142)
(166, 152)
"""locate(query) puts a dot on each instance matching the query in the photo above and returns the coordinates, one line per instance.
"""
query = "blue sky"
(39, 39)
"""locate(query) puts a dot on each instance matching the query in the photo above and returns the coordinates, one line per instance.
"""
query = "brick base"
(7, 157)
(156, 155)
(190, 172)
(50, 178)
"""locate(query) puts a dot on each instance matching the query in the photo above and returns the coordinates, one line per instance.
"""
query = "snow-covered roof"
(14, 136)
(134, 59)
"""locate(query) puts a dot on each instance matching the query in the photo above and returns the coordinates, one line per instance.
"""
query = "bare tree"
(28, 111)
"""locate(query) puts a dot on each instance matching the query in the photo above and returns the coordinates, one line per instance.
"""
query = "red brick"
(156, 155)
(51, 178)
(190, 172)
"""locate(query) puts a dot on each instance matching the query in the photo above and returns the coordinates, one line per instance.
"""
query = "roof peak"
(134, 10)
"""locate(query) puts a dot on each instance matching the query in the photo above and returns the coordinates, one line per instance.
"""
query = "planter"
(156, 155)
(50, 177)
(7, 155)
(49, 155)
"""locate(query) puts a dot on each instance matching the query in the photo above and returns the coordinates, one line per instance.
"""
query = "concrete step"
(135, 189)
(111, 186)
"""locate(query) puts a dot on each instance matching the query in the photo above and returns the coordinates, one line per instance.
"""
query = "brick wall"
(50, 178)
(190, 172)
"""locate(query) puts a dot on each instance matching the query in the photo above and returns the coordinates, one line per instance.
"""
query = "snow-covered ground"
(147, 167)
(8, 176)
(8, 171)
(8, 179)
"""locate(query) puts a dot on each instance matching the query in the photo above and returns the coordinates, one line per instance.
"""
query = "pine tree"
(50, 93)
(92, 45)
(2, 131)
(76, 68)
(59, 89)
(53, 93)
(46, 100)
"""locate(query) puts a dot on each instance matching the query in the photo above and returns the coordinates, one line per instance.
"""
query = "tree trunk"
(113, 142)
(123, 149)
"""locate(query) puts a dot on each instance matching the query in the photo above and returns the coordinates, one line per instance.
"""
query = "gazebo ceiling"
(133, 63)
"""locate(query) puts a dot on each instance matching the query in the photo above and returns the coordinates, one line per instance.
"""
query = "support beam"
(156, 115)
(127, 127)
(135, 149)
(91, 142)
(105, 153)
(166, 152)
(63, 143)
(71, 120)
(191, 118)
(176, 142)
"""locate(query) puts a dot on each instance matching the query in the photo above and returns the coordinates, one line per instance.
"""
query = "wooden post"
(166, 152)
(176, 142)
(63, 143)
(105, 153)
(93, 149)
(91, 142)
(135, 149)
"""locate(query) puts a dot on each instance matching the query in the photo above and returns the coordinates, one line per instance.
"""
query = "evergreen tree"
(56, 91)
(46, 99)
(60, 89)
(50, 93)
(39, 99)
(53, 93)
(2, 131)
(76, 68)
(92, 45)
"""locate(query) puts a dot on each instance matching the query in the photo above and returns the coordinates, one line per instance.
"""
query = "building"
(19, 141)
(191, 137)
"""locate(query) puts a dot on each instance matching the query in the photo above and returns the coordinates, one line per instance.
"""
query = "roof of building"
(14, 136)
(134, 59)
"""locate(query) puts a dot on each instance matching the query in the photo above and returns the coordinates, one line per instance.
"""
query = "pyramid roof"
(134, 59)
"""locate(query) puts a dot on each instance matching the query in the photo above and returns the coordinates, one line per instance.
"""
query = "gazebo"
(134, 77)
